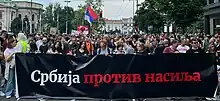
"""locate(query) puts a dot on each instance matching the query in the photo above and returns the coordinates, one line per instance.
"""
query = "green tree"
(56, 16)
(16, 25)
(66, 11)
(149, 15)
(47, 20)
(79, 17)
(182, 12)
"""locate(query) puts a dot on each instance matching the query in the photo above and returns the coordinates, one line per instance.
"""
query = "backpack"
(99, 51)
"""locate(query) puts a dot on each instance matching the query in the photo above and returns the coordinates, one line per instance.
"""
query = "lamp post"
(57, 21)
(137, 5)
(26, 28)
(31, 19)
(133, 9)
(67, 2)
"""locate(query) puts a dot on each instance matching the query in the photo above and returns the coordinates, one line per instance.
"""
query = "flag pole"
(90, 24)
(90, 30)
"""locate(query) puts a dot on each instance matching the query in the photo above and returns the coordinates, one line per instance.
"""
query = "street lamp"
(67, 2)
(26, 26)
(31, 19)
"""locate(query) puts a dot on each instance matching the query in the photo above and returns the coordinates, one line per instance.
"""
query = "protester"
(89, 47)
(104, 49)
(172, 47)
(84, 45)
(196, 48)
(120, 49)
(22, 44)
(55, 48)
(33, 46)
(183, 48)
(44, 47)
(4, 43)
(128, 47)
(153, 46)
(211, 49)
(38, 42)
(9, 54)
(64, 45)
(1, 73)
(159, 49)
(73, 46)
(82, 51)
(141, 49)
(110, 44)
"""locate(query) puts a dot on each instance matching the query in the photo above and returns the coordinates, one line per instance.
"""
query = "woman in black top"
(82, 51)
(55, 48)
(142, 50)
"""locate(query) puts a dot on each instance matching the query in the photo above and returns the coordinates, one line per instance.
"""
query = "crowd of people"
(124, 44)
(84, 45)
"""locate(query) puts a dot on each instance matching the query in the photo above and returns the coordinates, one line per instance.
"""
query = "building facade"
(212, 17)
(29, 12)
(125, 25)
(113, 25)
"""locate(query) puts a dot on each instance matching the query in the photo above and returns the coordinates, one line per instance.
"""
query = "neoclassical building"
(212, 16)
(125, 25)
(32, 11)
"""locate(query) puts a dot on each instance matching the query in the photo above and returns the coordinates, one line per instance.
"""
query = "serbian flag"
(90, 15)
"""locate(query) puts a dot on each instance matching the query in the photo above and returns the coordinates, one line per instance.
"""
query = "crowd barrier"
(117, 76)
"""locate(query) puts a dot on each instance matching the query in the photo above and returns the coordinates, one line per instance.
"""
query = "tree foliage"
(62, 19)
(185, 12)
(55, 14)
(182, 13)
(47, 19)
(79, 16)
(149, 15)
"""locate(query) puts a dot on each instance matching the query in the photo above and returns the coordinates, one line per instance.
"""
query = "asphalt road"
(158, 99)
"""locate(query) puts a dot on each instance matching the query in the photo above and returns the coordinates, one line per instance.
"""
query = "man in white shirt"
(39, 42)
(183, 47)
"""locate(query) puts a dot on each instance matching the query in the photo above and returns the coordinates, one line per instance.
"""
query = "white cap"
(10, 33)
(21, 36)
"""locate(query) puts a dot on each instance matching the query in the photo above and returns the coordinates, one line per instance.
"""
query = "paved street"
(159, 99)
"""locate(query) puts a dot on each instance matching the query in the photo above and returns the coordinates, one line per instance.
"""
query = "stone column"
(211, 26)
(206, 25)
(40, 23)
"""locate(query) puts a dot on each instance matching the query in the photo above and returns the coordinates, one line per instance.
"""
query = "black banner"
(117, 77)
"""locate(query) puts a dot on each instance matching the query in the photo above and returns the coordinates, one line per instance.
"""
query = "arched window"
(32, 17)
(19, 15)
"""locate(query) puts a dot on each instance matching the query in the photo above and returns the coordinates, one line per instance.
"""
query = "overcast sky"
(113, 9)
